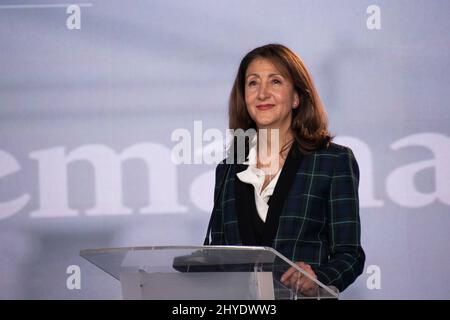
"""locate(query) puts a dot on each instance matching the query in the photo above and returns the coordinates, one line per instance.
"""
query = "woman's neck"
(274, 139)
(273, 147)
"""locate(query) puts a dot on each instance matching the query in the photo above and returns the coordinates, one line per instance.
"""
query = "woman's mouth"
(265, 106)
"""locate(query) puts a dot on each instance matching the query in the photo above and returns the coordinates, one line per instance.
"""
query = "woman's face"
(269, 96)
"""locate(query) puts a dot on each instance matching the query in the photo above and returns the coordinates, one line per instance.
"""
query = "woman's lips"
(265, 106)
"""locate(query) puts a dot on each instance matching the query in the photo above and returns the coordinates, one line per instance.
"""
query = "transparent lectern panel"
(164, 260)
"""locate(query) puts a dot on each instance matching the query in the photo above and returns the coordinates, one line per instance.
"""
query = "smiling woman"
(306, 205)
(287, 85)
(269, 95)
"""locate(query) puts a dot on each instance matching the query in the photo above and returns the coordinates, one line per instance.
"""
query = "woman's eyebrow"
(270, 75)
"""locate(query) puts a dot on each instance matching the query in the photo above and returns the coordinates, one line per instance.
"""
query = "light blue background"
(137, 70)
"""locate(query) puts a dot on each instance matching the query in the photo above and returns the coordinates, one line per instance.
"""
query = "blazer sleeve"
(346, 259)
(217, 232)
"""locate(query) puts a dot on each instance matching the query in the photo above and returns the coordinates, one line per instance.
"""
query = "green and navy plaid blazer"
(313, 213)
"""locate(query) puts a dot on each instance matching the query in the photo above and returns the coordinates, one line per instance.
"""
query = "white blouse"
(255, 176)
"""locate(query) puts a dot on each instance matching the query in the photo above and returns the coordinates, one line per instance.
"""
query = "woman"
(302, 199)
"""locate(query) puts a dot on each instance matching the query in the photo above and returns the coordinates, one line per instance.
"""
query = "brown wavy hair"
(309, 120)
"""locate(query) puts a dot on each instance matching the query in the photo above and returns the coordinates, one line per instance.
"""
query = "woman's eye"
(276, 81)
(252, 83)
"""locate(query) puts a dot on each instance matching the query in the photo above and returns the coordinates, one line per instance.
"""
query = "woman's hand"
(297, 281)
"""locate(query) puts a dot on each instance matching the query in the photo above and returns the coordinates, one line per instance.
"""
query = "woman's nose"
(263, 92)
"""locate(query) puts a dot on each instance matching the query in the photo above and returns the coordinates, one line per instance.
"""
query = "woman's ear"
(296, 101)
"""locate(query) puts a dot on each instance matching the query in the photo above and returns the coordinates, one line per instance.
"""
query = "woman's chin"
(265, 123)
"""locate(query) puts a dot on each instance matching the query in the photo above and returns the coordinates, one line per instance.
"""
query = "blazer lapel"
(280, 193)
(245, 203)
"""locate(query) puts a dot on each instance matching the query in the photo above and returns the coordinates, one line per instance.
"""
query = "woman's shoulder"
(222, 165)
(333, 155)
(335, 150)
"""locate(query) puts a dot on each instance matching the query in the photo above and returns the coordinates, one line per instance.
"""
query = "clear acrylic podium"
(202, 272)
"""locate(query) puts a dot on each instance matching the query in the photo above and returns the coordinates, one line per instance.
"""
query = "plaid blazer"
(313, 213)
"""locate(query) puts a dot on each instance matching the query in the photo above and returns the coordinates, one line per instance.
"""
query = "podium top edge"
(174, 247)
